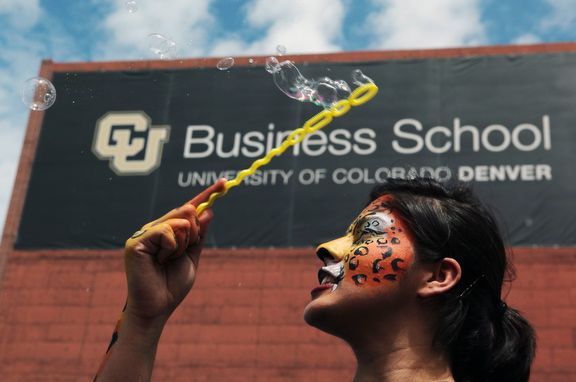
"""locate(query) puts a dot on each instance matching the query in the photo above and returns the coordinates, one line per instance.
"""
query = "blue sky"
(100, 30)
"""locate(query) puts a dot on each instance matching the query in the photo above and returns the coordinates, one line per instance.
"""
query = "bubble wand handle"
(359, 96)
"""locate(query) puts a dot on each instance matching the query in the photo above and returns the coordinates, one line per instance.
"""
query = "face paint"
(381, 250)
(336, 271)
(329, 276)
(375, 252)
(367, 273)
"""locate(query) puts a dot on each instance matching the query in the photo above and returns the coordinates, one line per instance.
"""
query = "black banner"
(121, 148)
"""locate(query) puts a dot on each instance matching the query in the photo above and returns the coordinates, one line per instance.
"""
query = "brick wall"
(242, 321)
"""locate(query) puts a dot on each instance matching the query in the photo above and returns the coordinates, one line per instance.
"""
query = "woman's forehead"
(378, 204)
(376, 209)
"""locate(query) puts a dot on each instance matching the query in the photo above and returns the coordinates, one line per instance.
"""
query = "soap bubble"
(342, 86)
(281, 50)
(291, 82)
(225, 63)
(161, 45)
(323, 91)
(131, 6)
(328, 91)
(38, 93)
(358, 78)
(272, 65)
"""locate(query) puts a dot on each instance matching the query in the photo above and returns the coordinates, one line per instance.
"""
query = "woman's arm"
(161, 260)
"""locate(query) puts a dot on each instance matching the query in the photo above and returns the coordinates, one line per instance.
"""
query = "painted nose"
(333, 251)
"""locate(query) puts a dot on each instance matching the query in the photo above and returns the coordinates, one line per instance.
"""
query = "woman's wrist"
(134, 341)
(148, 327)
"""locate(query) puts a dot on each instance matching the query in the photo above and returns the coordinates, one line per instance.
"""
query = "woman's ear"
(440, 277)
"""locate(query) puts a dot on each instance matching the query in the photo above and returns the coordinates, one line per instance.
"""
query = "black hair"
(484, 339)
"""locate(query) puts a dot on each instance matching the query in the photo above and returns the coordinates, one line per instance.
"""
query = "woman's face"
(364, 269)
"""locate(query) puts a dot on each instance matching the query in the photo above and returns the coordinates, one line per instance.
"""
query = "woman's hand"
(161, 259)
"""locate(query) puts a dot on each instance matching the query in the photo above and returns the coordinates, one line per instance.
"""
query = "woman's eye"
(365, 228)
(369, 231)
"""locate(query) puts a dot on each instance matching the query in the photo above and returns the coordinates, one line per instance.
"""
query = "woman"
(413, 287)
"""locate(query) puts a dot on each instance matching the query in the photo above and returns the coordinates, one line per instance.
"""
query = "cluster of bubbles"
(38, 93)
(228, 62)
(161, 46)
(323, 91)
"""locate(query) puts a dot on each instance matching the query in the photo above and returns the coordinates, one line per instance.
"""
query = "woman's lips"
(319, 289)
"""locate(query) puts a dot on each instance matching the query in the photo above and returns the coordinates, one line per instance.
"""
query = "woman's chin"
(323, 312)
(315, 311)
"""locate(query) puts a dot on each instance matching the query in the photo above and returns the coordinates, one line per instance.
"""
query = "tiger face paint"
(375, 252)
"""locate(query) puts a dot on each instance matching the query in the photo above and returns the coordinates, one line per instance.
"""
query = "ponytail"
(493, 348)
(513, 348)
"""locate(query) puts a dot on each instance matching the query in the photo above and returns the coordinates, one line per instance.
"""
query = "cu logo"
(129, 142)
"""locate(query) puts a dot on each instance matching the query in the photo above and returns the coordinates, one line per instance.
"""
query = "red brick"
(551, 297)
(277, 355)
(228, 334)
(563, 359)
(553, 377)
(58, 297)
(556, 337)
(284, 334)
(28, 277)
(73, 314)
(110, 281)
(562, 316)
(108, 297)
(24, 333)
(65, 332)
(103, 315)
(98, 333)
(293, 298)
(167, 354)
(537, 316)
(282, 315)
(18, 351)
(345, 373)
(285, 374)
(71, 279)
(92, 355)
(34, 314)
(196, 354)
(543, 361)
(110, 265)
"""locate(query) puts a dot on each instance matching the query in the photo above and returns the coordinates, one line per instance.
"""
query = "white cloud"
(563, 15)
(186, 22)
(20, 14)
(409, 24)
(11, 140)
(302, 26)
(527, 38)
(22, 61)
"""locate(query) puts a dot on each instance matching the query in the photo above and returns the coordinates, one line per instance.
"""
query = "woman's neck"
(400, 351)
(405, 364)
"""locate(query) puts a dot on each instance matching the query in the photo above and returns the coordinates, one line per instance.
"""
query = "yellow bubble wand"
(359, 96)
